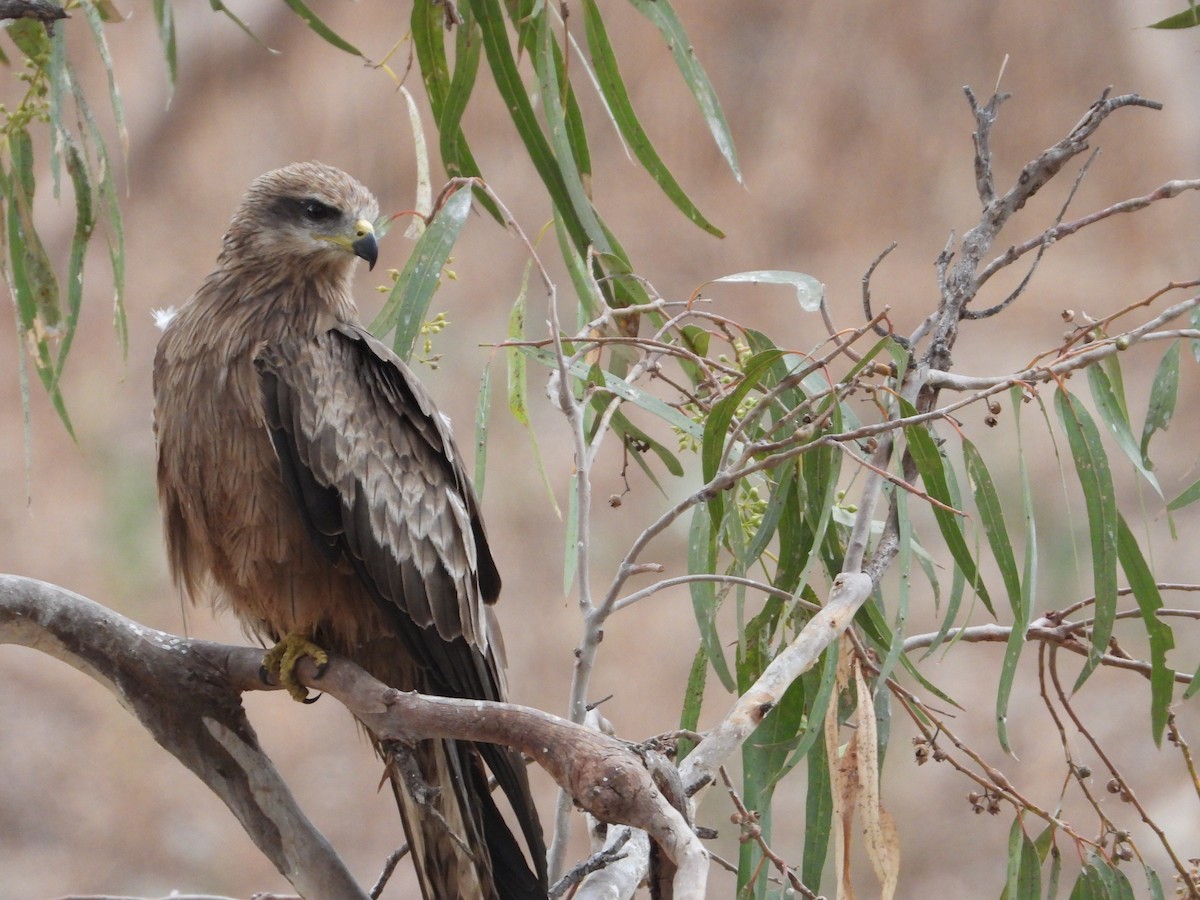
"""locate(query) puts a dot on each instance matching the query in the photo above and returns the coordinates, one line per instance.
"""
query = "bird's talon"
(282, 659)
(312, 699)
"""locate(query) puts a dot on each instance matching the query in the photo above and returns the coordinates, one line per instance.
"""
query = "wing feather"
(378, 478)
(373, 467)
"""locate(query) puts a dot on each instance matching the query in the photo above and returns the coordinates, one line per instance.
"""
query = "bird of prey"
(308, 483)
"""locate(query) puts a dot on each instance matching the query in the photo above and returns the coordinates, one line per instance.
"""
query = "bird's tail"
(460, 843)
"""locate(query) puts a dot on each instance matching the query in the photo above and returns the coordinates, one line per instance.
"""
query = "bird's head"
(306, 216)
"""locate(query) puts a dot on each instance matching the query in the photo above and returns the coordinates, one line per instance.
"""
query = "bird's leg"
(282, 659)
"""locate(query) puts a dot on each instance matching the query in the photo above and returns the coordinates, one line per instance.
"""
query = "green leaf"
(429, 45)
(32, 282)
(92, 13)
(1190, 495)
(1162, 400)
(1029, 581)
(1110, 403)
(518, 403)
(1149, 601)
(554, 108)
(516, 99)
(666, 21)
(1189, 18)
(573, 124)
(456, 154)
(39, 304)
(809, 291)
(716, 426)
(1153, 884)
(587, 292)
(932, 468)
(84, 224)
(1024, 866)
(904, 559)
(702, 560)
(408, 302)
(483, 409)
(106, 194)
(816, 712)
(693, 700)
(313, 21)
(991, 515)
(779, 485)
(1194, 686)
(613, 88)
(818, 817)
(164, 16)
(1095, 478)
(630, 435)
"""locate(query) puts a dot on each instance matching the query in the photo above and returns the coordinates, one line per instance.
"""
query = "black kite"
(308, 483)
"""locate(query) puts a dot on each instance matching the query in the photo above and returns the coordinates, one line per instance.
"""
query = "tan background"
(853, 132)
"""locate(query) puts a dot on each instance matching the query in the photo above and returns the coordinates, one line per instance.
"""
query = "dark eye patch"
(314, 210)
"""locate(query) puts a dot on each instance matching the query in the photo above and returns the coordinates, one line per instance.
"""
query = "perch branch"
(180, 691)
(186, 693)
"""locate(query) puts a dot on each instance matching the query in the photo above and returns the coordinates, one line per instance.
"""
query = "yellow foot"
(282, 659)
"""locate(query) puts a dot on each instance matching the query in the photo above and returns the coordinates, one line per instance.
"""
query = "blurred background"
(852, 131)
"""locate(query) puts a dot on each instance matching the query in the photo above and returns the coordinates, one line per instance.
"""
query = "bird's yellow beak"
(361, 242)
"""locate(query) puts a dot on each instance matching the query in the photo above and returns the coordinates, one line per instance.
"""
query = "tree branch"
(186, 693)
(182, 692)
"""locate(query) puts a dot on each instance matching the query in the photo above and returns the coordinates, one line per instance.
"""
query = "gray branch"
(187, 695)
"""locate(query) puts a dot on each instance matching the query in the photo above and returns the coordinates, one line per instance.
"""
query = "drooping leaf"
(932, 468)
(94, 19)
(164, 17)
(716, 426)
(818, 817)
(1190, 494)
(1153, 883)
(661, 13)
(1110, 403)
(1149, 601)
(327, 34)
(408, 302)
(483, 413)
(1095, 478)
(554, 108)
(84, 223)
(1162, 399)
(693, 700)
(518, 398)
(991, 515)
(1024, 866)
(617, 97)
(503, 65)
(702, 559)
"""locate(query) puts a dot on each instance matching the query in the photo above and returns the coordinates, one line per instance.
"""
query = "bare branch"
(186, 693)
(1059, 230)
(850, 590)
(180, 691)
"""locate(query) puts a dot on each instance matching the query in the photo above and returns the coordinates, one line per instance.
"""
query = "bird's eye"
(316, 211)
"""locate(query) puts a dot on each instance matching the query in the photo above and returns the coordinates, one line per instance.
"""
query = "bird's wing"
(380, 484)
(375, 472)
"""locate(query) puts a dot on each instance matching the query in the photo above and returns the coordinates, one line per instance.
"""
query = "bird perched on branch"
(308, 483)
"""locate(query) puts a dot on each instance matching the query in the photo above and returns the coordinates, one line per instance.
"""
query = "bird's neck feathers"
(273, 300)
